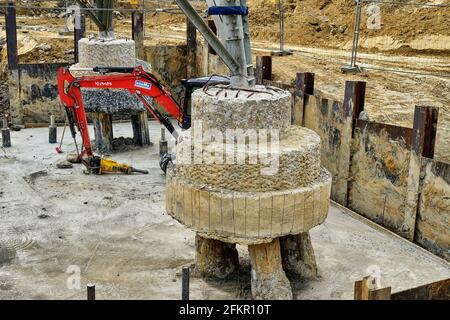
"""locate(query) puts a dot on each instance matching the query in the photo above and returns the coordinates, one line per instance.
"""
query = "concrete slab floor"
(114, 231)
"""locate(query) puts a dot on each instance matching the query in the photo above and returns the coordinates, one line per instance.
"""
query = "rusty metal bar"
(424, 130)
(11, 36)
(137, 32)
(354, 100)
(91, 292)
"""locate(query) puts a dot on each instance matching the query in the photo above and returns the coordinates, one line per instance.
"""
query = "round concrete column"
(244, 175)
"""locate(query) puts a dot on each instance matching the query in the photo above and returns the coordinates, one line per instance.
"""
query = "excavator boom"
(135, 80)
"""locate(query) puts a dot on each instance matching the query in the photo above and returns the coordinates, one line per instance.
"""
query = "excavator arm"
(135, 80)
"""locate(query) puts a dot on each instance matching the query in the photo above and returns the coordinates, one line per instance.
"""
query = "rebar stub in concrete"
(221, 109)
(247, 217)
(293, 164)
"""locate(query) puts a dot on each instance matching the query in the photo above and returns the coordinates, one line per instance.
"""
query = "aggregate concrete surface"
(114, 230)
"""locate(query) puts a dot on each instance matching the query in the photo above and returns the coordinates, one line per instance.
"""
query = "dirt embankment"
(329, 23)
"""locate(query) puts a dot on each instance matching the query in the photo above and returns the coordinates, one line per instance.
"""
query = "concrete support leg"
(269, 282)
(141, 135)
(103, 132)
(297, 255)
(214, 258)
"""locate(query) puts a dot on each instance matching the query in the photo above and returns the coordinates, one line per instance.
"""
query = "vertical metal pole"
(138, 33)
(213, 28)
(185, 284)
(424, 130)
(231, 31)
(163, 147)
(52, 130)
(263, 69)
(79, 34)
(356, 32)
(281, 10)
(304, 86)
(11, 36)
(91, 291)
(191, 44)
(354, 101)
(144, 16)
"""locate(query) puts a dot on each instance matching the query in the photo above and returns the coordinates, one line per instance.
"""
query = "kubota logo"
(103, 83)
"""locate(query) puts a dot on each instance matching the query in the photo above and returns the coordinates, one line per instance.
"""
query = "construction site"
(224, 150)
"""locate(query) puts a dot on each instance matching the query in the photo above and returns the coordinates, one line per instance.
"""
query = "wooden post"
(365, 289)
(11, 35)
(191, 43)
(263, 69)
(141, 135)
(79, 33)
(103, 132)
(304, 86)
(138, 33)
(423, 141)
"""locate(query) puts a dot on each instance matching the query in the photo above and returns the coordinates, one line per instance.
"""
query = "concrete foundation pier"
(215, 258)
(106, 103)
(244, 175)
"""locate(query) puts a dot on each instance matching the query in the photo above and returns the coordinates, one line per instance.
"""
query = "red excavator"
(136, 81)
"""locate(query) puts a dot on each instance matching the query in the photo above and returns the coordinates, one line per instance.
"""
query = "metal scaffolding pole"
(353, 67)
(282, 51)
